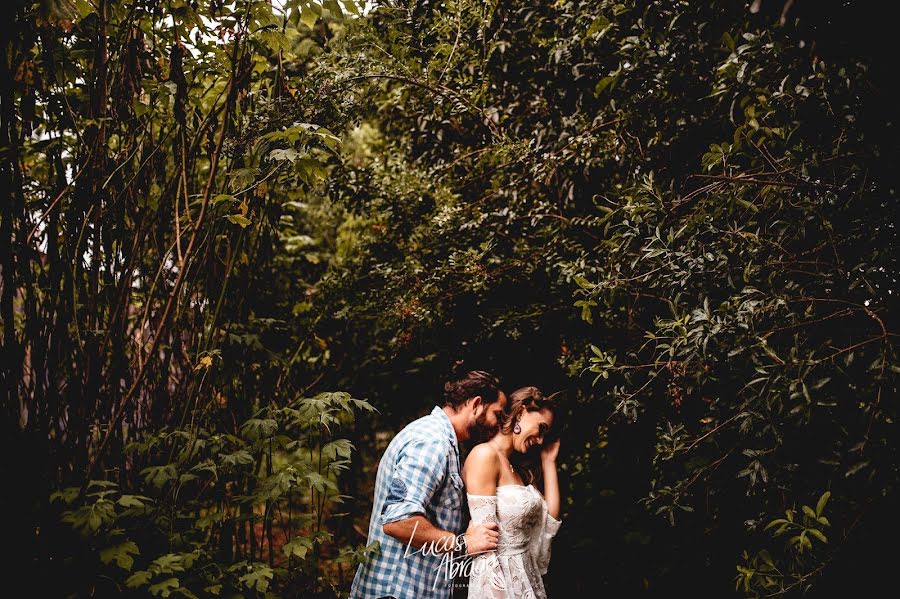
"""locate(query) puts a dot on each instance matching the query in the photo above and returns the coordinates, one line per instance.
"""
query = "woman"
(499, 488)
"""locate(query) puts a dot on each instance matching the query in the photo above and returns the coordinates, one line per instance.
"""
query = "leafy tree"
(684, 208)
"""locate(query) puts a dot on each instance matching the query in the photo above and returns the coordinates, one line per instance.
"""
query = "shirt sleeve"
(417, 475)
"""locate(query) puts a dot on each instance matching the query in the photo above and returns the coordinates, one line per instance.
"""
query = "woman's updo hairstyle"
(525, 399)
(529, 399)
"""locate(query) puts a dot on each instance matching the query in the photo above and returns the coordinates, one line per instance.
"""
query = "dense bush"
(689, 212)
(223, 514)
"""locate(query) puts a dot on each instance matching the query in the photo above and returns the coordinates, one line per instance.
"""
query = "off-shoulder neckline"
(514, 485)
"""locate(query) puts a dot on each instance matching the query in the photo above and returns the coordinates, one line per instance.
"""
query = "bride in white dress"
(500, 492)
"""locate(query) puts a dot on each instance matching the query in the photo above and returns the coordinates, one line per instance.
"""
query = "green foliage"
(157, 162)
(679, 212)
(677, 204)
(222, 504)
(762, 575)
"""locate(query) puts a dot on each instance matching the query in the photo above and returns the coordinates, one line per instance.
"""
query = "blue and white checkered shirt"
(418, 474)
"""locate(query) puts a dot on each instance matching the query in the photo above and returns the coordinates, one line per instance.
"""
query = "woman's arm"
(551, 482)
(481, 474)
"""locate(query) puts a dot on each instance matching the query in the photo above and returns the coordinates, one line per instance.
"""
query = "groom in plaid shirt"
(419, 496)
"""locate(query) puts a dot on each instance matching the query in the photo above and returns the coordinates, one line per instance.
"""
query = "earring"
(517, 429)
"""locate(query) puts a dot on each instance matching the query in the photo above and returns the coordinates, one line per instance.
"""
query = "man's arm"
(418, 531)
(417, 476)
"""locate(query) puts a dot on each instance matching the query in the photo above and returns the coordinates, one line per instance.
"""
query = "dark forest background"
(242, 243)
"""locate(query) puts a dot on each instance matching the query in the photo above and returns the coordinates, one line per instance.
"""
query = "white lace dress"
(514, 570)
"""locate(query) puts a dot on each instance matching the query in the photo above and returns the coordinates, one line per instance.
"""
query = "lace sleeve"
(486, 577)
(539, 547)
(482, 508)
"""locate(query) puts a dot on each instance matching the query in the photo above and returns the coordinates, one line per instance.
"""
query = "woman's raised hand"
(550, 451)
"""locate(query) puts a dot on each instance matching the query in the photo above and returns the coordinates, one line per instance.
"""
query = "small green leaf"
(599, 24)
(603, 84)
(164, 588)
(583, 283)
(288, 154)
(818, 534)
(310, 13)
(135, 501)
(258, 577)
(138, 579)
(121, 554)
(238, 219)
(775, 522)
(856, 468)
(224, 197)
(822, 501)
(298, 546)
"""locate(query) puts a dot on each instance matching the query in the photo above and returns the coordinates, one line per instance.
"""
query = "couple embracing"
(421, 488)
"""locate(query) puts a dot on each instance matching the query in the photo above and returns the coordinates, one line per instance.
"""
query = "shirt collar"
(441, 415)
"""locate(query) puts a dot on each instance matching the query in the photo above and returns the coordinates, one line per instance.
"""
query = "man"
(419, 497)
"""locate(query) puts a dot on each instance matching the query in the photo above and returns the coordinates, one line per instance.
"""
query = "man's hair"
(472, 384)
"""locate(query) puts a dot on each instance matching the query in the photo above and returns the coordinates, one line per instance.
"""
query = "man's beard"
(482, 431)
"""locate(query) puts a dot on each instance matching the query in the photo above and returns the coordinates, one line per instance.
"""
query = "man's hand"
(481, 538)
